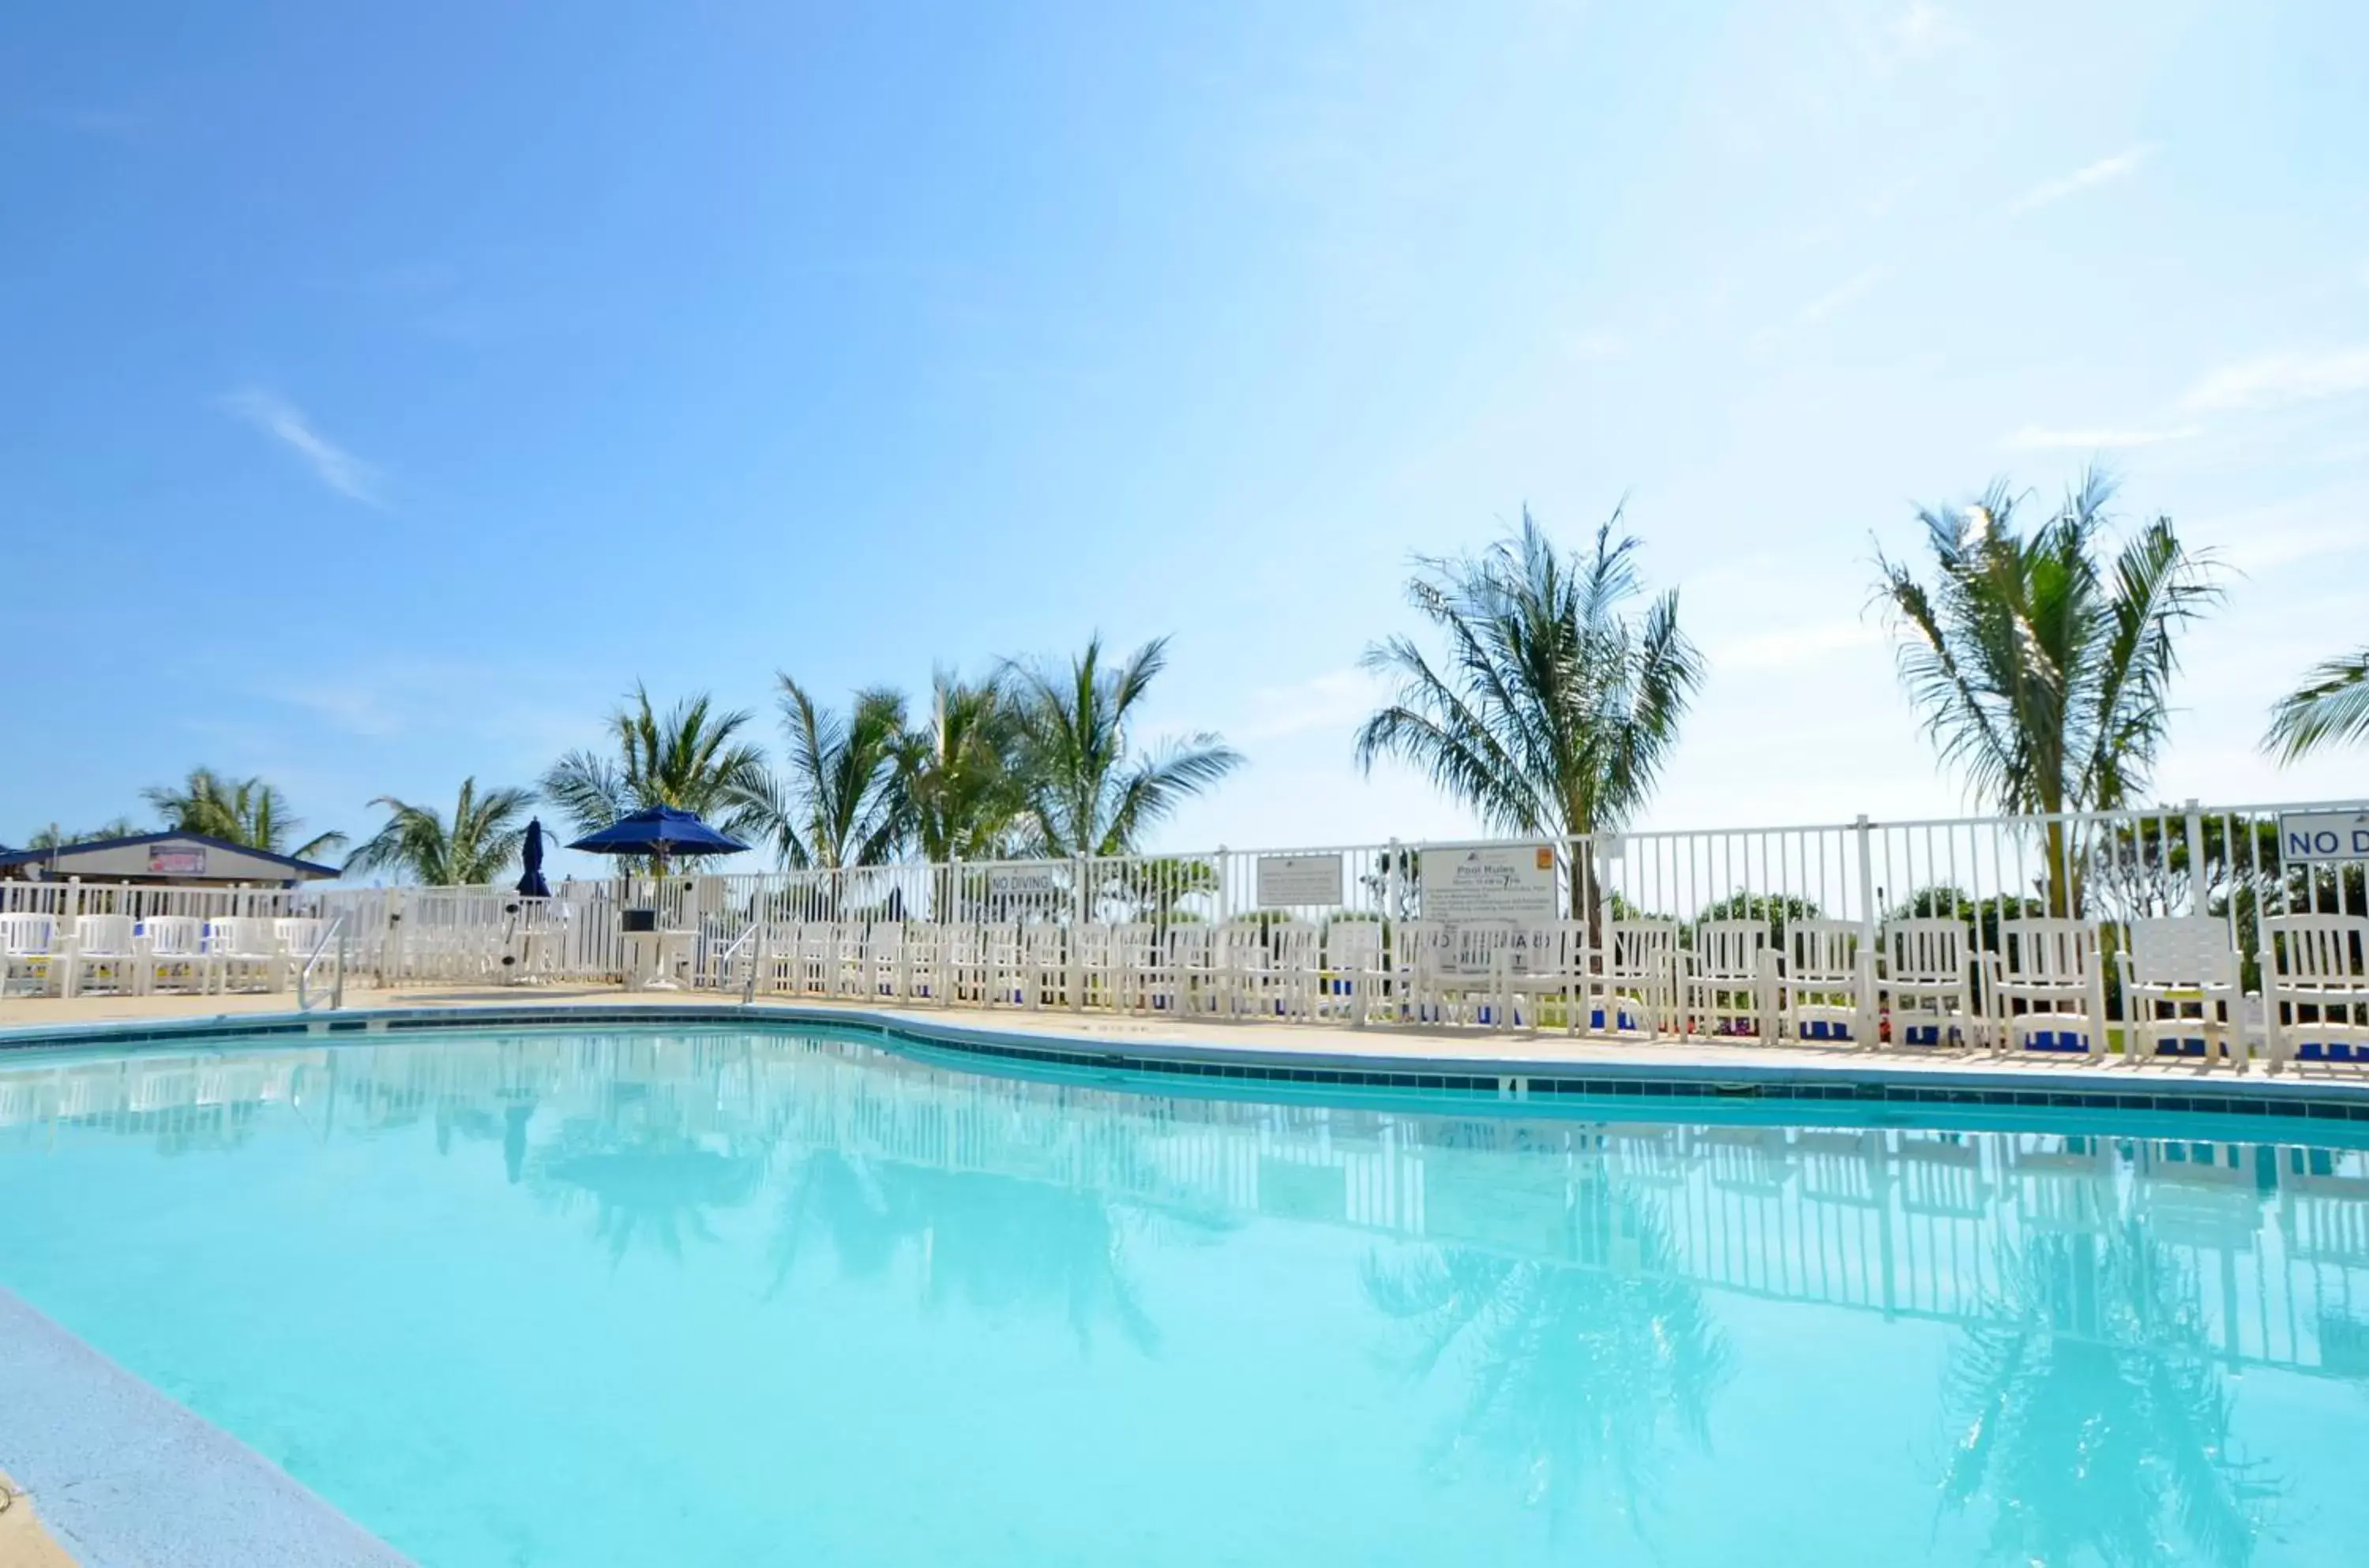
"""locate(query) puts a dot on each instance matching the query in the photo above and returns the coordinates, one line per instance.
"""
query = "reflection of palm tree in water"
(1579, 1371)
(996, 1243)
(650, 1183)
(2089, 1411)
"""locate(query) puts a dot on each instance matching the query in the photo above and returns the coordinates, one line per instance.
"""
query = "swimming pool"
(726, 1295)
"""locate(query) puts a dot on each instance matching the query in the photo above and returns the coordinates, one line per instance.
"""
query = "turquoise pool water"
(710, 1297)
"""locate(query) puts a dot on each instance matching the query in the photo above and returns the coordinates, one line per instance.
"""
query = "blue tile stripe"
(1858, 1084)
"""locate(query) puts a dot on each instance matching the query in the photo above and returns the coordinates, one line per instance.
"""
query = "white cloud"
(1335, 700)
(1825, 304)
(1594, 346)
(2080, 179)
(2262, 540)
(284, 422)
(354, 709)
(2275, 379)
(2040, 438)
(1926, 28)
(1788, 648)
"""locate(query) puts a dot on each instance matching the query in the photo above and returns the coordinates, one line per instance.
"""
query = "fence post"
(1867, 1026)
(1867, 916)
(392, 964)
(1390, 881)
(2199, 881)
(1078, 916)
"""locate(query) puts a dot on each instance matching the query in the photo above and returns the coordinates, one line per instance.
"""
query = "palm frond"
(479, 843)
(2332, 707)
(2045, 676)
(1087, 790)
(1551, 711)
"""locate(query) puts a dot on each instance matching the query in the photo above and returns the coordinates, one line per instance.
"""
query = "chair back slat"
(1818, 950)
(2182, 950)
(1926, 950)
(2318, 949)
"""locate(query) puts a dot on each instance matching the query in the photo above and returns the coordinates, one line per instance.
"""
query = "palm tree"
(1579, 1373)
(248, 812)
(958, 772)
(687, 758)
(1089, 794)
(1555, 709)
(650, 1181)
(55, 838)
(2045, 673)
(2090, 1409)
(2332, 707)
(481, 843)
(839, 805)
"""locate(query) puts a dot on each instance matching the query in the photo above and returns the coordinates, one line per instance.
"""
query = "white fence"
(65, 900)
(2224, 861)
(892, 930)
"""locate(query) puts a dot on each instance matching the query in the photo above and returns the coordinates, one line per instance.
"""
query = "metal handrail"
(337, 934)
(756, 932)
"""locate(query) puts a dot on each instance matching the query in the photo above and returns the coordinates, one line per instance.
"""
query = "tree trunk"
(2060, 875)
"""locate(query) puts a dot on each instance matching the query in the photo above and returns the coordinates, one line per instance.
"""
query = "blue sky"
(385, 392)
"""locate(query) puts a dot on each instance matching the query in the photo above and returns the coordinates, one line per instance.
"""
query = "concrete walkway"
(126, 1478)
(1396, 1044)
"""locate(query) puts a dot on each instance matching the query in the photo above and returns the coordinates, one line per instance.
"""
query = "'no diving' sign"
(2306, 836)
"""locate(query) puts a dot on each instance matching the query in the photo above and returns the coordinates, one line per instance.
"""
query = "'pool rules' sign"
(2306, 836)
(1288, 881)
(1505, 883)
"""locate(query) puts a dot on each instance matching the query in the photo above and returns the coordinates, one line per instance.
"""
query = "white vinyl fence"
(2224, 862)
(1336, 929)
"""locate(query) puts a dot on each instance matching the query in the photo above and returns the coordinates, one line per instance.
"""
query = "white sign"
(1286, 880)
(2306, 836)
(1050, 881)
(1495, 882)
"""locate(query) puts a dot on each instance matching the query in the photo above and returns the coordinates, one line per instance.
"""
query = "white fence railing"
(65, 900)
(2223, 861)
(806, 932)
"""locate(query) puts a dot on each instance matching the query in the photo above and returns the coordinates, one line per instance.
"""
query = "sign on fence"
(1286, 880)
(1493, 885)
(1491, 882)
(2308, 836)
(1051, 880)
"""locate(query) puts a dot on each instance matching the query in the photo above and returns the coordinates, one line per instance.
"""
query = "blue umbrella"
(659, 832)
(531, 884)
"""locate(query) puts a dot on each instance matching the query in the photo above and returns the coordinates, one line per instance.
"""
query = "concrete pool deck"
(23, 1542)
(1395, 1046)
(125, 1477)
(1454, 1047)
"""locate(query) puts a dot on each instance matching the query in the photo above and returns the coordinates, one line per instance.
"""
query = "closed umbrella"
(531, 884)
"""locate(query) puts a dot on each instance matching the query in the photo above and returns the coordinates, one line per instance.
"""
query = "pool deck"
(124, 1477)
(23, 1542)
(1397, 1046)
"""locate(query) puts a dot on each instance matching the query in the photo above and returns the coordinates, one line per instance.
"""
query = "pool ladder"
(305, 1002)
